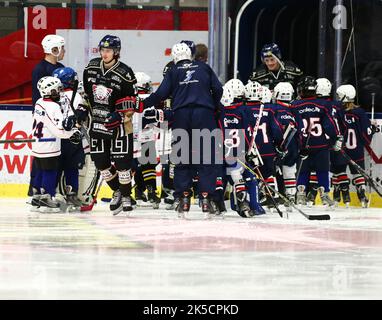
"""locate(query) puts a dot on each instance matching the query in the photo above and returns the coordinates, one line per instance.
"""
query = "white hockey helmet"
(253, 91)
(143, 81)
(267, 95)
(181, 51)
(237, 87)
(49, 86)
(227, 97)
(324, 87)
(346, 93)
(51, 41)
(283, 91)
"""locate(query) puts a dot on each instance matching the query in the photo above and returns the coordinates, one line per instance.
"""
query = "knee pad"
(109, 174)
(124, 177)
(358, 180)
(236, 174)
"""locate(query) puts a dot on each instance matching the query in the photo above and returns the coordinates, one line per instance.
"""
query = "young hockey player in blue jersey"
(233, 122)
(358, 134)
(195, 92)
(319, 133)
(266, 132)
(287, 152)
(72, 155)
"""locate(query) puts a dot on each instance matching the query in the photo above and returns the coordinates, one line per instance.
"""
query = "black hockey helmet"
(306, 87)
(111, 42)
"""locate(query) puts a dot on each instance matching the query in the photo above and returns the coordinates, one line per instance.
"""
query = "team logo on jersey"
(101, 94)
(230, 121)
(189, 74)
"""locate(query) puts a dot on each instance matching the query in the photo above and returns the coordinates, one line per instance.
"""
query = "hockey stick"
(302, 160)
(90, 206)
(370, 158)
(82, 127)
(362, 172)
(287, 201)
(27, 140)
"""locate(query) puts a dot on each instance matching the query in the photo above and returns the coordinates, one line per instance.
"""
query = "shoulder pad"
(259, 72)
(290, 66)
(94, 62)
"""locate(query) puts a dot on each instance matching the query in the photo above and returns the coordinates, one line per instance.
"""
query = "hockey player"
(53, 46)
(274, 70)
(147, 136)
(72, 156)
(268, 134)
(319, 133)
(109, 84)
(358, 134)
(233, 123)
(288, 149)
(195, 92)
(340, 180)
(47, 125)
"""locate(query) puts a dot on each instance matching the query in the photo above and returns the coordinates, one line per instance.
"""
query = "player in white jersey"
(48, 129)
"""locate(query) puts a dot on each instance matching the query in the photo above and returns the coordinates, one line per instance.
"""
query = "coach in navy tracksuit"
(195, 92)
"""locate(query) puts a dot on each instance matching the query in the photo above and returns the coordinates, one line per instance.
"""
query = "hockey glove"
(280, 155)
(338, 144)
(81, 115)
(129, 103)
(68, 123)
(76, 137)
(152, 113)
(113, 121)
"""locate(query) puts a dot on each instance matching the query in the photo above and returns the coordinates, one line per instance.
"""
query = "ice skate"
(116, 203)
(337, 195)
(35, 202)
(346, 196)
(127, 204)
(311, 197)
(325, 199)
(244, 210)
(361, 193)
(208, 207)
(184, 205)
(48, 204)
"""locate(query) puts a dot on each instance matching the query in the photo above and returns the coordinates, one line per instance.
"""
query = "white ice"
(154, 255)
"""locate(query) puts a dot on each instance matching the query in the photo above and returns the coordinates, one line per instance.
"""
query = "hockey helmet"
(49, 87)
(111, 42)
(227, 97)
(267, 95)
(143, 82)
(346, 93)
(271, 50)
(253, 91)
(51, 41)
(191, 45)
(181, 51)
(306, 87)
(283, 91)
(66, 75)
(237, 87)
(324, 87)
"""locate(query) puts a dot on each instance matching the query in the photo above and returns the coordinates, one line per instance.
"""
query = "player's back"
(314, 118)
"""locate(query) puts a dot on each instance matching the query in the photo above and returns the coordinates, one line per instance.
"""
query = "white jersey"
(47, 127)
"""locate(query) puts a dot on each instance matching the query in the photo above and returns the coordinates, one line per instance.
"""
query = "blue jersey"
(358, 133)
(188, 83)
(315, 120)
(233, 123)
(269, 133)
(338, 115)
(43, 69)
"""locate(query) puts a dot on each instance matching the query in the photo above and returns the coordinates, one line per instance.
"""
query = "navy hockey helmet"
(306, 87)
(270, 50)
(191, 45)
(66, 75)
(111, 42)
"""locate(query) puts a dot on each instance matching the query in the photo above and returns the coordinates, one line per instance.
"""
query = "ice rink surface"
(154, 255)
